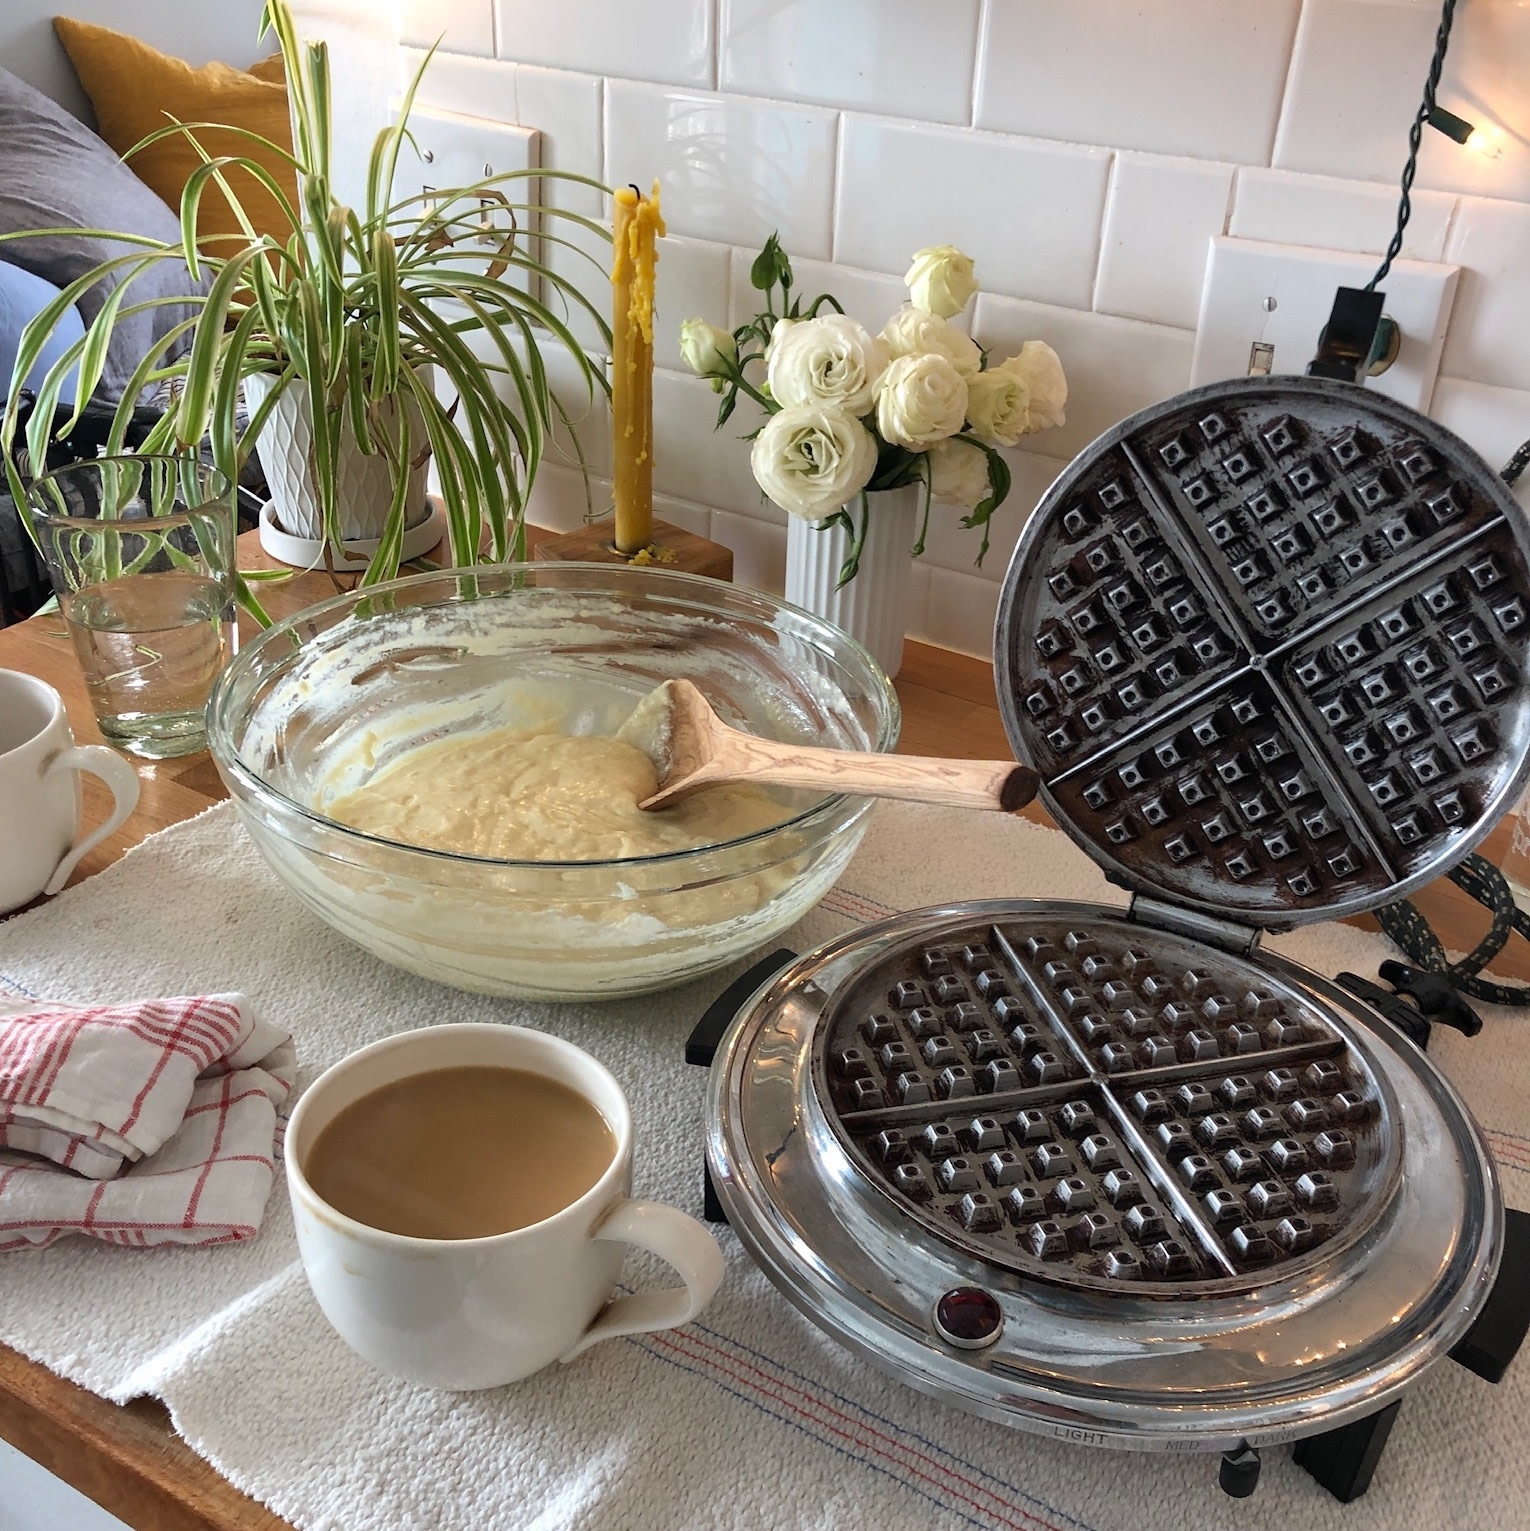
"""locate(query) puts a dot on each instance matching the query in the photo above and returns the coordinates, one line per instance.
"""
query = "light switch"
(452, 150)
(1264, 306)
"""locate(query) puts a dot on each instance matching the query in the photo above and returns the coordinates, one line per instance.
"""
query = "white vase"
(873, 607)
(363, 484)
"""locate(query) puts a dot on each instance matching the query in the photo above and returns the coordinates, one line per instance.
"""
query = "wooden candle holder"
(672, 548)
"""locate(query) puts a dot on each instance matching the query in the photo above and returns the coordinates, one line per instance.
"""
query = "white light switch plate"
(454, 150)
(1281, 295)
(451, 150)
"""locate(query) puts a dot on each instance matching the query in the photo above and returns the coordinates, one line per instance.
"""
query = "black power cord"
(1430, 114)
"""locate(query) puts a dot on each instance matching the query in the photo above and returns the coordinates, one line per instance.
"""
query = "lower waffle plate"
(1213, 1198)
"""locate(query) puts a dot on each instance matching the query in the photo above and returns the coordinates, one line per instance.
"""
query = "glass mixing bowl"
(319, 703)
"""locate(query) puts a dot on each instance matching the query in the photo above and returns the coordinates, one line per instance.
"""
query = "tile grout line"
(979, 53)
(1287, 88)
(1107, 207)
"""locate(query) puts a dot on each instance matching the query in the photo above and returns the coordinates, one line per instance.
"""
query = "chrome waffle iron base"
(1186, 1253)
(1119, 1177)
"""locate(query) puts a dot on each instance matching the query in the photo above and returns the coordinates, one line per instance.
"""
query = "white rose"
(1037, 404)
(912, 332)
(813, 458)
(941, 280)
(958, 474)
(997, 401)
(920, 400)
(828, 360)
(708, 351)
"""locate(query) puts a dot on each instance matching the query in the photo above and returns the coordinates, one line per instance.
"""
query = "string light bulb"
(1485, 142)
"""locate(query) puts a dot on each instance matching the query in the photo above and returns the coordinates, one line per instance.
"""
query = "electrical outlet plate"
(1280, 296)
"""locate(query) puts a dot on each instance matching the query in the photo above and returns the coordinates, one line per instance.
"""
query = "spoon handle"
(992, 784)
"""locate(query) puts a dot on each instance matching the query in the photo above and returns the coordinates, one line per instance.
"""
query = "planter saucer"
(308, 552)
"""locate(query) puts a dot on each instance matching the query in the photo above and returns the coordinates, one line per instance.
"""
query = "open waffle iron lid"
(1266, 645)
(1114, 1175)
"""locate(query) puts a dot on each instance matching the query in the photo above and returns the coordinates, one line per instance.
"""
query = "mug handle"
(120, 778)
(675, 1238)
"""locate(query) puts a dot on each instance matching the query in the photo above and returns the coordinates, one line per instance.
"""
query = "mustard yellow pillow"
(132, 87)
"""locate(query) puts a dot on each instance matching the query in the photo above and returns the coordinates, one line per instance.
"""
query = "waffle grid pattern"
(1269, 660)
(1097, 1106)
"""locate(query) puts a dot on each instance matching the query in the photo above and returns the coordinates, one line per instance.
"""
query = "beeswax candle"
(636, 226)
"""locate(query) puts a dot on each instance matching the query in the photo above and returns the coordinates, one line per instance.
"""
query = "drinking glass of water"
(140, 550)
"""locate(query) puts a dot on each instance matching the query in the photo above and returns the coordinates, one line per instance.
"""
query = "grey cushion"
(22, 297)
(55, 172)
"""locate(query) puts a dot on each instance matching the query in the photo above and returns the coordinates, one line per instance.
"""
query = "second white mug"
(466, 1313)
(40, 797)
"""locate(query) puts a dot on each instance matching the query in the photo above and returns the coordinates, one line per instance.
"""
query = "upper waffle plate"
(1266, 644)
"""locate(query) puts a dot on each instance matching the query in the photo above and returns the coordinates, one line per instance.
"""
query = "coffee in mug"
(461, 1153)
(462, 1197)
(40, 796)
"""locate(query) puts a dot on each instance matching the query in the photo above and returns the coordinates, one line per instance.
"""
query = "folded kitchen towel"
(176, 1098)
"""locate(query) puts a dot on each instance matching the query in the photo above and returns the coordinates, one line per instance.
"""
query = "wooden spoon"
(691, 747)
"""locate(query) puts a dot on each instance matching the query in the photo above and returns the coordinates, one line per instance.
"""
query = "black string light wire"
(1430, 114)
(1402, 920)
(1426, 109)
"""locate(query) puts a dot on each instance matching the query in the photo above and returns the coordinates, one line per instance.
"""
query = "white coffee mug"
(477, 1313)
(40, 796)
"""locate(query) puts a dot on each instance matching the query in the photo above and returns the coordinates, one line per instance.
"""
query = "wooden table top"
(128, 1459)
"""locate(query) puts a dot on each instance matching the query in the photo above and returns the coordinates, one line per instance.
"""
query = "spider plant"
(359, 306)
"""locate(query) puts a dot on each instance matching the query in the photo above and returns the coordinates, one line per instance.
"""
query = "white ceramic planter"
(873, 607)
(362, 486)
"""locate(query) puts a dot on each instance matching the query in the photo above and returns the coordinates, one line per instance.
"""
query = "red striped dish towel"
(143, 1123)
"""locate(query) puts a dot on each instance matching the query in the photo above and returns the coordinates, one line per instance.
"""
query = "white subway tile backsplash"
(696, 519)
(960, 612)
(731, 170)
(759, 549)
(1027, 212)
(1488, 329)
(456, 82)
(867, 296)
(464, 26)
(559, 501)
(1198, 77)
(692, 284)
(582, 432)
(692, 460)
(1114, 366)
(1356, 80)
(1159, 223)
(670, 41)
(1083, 154)
(906, 58)
(1494, 421)
(1284, 208)
(918, 601)
(567, 109)
(586, 415)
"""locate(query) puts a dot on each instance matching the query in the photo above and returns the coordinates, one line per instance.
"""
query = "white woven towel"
(157, 1119)
(749, 1419)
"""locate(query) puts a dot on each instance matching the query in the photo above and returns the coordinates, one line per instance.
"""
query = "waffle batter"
(515, 795)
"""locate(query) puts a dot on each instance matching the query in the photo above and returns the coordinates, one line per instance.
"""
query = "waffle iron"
(1118, 1176)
